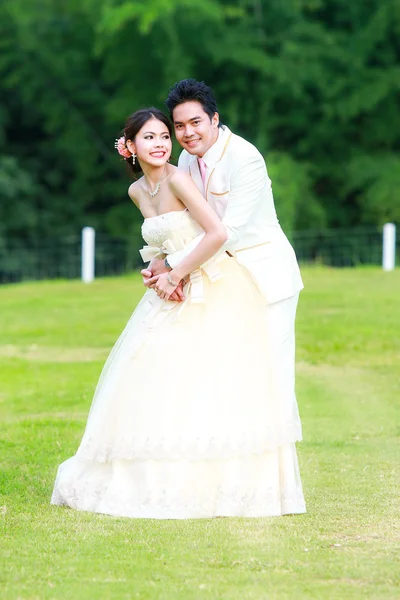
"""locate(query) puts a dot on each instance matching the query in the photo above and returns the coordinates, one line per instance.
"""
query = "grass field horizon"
(54, 338)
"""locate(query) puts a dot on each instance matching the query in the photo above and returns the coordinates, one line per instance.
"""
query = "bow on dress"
(196, 282)
(168, 247)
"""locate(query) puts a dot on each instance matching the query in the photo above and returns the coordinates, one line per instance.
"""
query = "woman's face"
(152, 144)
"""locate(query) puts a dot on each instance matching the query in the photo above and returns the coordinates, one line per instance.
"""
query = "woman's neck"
(154, 174)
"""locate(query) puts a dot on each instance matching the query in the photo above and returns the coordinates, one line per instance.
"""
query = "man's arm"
(248, 184)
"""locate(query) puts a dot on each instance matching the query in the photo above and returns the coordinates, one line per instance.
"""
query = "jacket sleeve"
(247, 185)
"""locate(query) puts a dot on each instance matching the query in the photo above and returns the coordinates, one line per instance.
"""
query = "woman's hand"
(166, 285)
(150, 281)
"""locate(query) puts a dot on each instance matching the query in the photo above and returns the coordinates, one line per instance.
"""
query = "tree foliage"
(313, 83)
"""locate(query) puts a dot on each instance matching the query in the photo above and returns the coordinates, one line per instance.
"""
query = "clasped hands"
(156, 277)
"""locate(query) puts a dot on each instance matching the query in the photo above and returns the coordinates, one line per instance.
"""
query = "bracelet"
(171, 281)
(166, 263)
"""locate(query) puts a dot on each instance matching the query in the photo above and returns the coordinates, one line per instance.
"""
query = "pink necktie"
(202, 167)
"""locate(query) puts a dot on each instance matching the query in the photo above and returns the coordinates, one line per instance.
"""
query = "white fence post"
(88, 236)
(389, 247)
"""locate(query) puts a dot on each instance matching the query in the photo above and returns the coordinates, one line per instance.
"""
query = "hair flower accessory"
(120, 145)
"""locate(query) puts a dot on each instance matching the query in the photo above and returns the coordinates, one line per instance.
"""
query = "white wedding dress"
(184, 423)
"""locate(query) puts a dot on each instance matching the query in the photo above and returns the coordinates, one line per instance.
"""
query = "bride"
(206, 438)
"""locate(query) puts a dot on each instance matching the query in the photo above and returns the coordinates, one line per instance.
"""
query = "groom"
(231, 174)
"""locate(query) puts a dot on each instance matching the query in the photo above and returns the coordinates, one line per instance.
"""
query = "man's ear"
(215, 120)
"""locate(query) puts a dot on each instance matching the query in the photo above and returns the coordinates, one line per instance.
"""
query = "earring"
(133, 158)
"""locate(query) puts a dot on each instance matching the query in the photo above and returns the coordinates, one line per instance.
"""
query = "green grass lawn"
(54, 337)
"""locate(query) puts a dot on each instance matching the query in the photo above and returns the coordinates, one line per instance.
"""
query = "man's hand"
(150, 278)
(177, 295)
(157, 266)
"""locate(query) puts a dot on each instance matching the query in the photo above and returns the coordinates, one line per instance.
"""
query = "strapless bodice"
(175, 229)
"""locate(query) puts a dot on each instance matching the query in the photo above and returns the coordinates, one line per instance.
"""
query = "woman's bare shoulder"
(134, 192)
(179, 178)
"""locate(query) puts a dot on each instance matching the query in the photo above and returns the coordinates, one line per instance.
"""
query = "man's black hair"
(191, 90)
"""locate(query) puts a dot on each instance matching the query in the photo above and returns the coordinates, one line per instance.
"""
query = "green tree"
(313, 83)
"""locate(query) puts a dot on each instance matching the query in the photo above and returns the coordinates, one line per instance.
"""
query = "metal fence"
(61, 258)
(340, 247)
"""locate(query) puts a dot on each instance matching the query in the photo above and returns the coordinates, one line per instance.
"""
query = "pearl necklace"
(157, 188)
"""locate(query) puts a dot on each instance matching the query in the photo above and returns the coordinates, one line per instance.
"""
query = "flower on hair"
(120, 145)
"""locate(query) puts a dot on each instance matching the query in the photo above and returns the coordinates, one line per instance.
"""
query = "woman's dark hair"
(135, 123)
(191, 90)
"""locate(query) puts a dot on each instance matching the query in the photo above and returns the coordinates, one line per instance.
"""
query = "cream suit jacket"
(239, 190)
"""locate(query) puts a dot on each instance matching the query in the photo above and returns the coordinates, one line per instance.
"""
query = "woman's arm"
(214, 237)
(215, 234)
(249, 187)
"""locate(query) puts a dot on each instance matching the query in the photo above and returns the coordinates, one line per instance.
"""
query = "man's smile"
(192, 142)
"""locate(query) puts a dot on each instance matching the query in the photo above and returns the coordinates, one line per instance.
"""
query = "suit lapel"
(214, 157)
(226, 138)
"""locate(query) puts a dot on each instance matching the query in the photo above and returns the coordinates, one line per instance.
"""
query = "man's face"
(194, 130)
